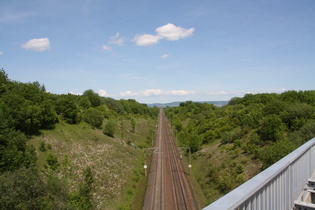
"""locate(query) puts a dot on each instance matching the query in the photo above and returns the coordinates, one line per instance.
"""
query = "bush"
(278, 150)
(272, 128)
(239, 169)
(109, 129)
(82, 199)
(21, 189)
(42, 146)
(94, 117)
(52, 162)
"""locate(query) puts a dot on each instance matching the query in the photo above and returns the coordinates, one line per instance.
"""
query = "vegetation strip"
(69, 151)
(86, 152)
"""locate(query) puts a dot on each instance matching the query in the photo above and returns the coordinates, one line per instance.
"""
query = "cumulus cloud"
(117, 40)
(181, 92)
(38, 45)
(106, 48)
(172, 32)
(168, 32)
(158, 92)
(102, 93)
(242, 92)
(230, 93)
(146, 39)
(76, 94)
(164, 56)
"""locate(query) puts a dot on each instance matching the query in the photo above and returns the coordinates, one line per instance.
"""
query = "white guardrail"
(275, 188)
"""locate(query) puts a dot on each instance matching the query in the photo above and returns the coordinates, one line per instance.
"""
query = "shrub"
(109, 129)
(21, 189)
(94, 117)
(42, 146)
(52, 162)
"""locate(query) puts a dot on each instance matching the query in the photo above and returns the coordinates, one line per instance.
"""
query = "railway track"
(168, 187)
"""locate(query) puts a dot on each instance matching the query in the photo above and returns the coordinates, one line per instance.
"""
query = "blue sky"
(160, 51)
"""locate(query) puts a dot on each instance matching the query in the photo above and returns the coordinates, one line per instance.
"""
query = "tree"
(272, 128)
(84, 102)
(3, 81)
(31, 91)
(296, 114)
(93, 97)
(109, 129)
(274, 106)
(94, 117)
(273, 153)
(30, 120)
(67, 109)
(82, 199)
(48, 114)
(194, 143)
(21, 189)
(113, 104)
(133, 125)
(14, 153)
(235, 100)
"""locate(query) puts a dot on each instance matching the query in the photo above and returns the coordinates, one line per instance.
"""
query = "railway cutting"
(168, 187)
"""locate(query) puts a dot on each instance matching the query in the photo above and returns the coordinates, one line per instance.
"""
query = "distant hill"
(176, 103)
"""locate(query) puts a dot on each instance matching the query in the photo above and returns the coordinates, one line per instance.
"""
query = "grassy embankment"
(221, 168)
(117, 163)
(198, 194)
(217, 169)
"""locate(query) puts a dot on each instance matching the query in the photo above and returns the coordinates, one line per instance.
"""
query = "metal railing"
(275, 188)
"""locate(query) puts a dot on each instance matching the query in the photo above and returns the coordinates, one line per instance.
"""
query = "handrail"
(274, 188)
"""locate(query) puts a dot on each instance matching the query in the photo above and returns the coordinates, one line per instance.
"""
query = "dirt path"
(167, 187)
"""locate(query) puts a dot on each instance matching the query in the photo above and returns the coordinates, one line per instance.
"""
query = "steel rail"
(168, 187)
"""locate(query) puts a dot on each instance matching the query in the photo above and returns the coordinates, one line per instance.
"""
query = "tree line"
(257, 129)
(266, 125)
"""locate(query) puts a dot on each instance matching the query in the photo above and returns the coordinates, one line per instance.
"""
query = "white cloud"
(102, 93)
(164, 56)
(169, 32)
(172, 32)
(242, 92)
(76, 94)
(106, 48)
(38, 45)
(151, 92)
(181, 92)
(128, 93)
(229, 93)
(116, 40)
(1, 53)
(146, 39)
(158, 92)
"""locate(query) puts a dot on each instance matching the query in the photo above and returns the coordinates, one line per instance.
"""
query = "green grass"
(117, 163)
(221, 168)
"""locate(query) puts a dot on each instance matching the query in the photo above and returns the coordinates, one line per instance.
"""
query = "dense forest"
(28, 112)
(234, 142)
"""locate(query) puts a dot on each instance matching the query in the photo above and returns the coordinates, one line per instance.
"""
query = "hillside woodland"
(231, 144)
(86, 152)
(69, 151)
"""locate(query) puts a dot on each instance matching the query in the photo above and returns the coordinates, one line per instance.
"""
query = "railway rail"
(168, 187)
